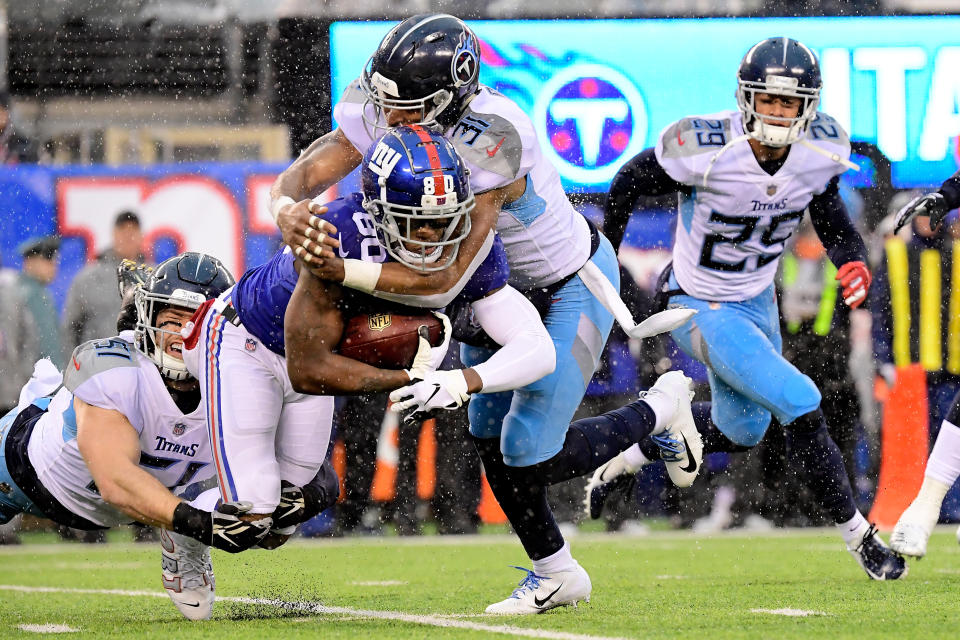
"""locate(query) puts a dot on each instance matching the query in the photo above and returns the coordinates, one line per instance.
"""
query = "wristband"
(361, 275)
(278, 204)
(192, 522)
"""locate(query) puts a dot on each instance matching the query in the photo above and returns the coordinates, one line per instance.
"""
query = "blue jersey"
(263, 293)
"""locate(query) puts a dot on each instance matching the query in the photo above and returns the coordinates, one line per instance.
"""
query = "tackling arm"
(111, 448)
(321, 165)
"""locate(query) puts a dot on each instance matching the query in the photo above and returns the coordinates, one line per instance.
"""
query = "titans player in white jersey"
(121, 437)
(426, 71)
(915, 525)
(745, 178)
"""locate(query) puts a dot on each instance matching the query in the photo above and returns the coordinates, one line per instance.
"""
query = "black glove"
(933, 205)
(221, 528)
(290, 512)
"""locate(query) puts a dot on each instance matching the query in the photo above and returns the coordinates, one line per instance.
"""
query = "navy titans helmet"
(413, 177)
(429, 62)
(184, 281)
(782, 67)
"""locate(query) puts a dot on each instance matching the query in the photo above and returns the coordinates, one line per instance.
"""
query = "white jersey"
(732, 230)
(544, 236)
(111, 374)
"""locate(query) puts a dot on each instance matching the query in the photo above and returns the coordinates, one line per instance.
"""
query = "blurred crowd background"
(90, 88)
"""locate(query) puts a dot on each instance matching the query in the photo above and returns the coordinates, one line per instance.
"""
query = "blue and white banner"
(601, 90)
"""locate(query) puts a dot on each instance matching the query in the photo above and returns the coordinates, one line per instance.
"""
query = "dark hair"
(126, 216)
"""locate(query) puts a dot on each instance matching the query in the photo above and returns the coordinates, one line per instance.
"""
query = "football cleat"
(877, 559)
(615, 476)
(187, 574)
(538, 594)
(681, 446)
(913, 529)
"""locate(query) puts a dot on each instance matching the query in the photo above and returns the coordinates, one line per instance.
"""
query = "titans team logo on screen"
(590, 119)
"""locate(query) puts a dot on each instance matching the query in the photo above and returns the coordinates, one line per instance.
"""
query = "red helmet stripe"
(432, 156)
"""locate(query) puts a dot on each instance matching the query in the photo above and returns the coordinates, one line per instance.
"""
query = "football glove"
(437, 390)
(131, 275)
(290, 512)
(855, 279)
(933, 205)
(428, 358)
(230, 533)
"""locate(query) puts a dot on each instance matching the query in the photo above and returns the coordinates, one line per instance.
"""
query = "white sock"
(944, 462)
(664, 407)
(853, 529)
(925, 508)
(634, 458)
(559, 561)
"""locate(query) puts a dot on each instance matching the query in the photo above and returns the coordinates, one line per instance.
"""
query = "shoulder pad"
(693, 136)
(489, 142)
(97, 356)
(353, 93)
(826, 129)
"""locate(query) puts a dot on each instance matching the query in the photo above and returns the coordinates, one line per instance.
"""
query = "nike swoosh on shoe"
(537, 601)
(691, 465)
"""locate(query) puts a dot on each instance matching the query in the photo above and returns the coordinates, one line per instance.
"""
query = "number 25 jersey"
(732, 229)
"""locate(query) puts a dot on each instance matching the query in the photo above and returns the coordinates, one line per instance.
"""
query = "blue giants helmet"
(782, 67)
(429, 62)
(413, 177)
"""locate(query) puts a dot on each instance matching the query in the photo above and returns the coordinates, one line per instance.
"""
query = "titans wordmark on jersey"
(111, 374)
(732, 230)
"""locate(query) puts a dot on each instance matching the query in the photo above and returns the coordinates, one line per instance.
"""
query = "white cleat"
(540, 593)
(913, 529)
(681, 446)
(187, 574)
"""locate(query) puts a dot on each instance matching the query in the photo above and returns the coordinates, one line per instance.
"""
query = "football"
(387, 340)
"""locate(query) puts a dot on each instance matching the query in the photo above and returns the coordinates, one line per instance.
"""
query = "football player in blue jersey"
(745, 178)
(915, 525)
(426, 70)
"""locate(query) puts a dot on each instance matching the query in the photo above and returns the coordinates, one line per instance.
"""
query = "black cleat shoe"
(877, 559)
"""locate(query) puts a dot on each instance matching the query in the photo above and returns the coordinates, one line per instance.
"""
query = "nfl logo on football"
(179, 429)
(251, 344)
(380, 321)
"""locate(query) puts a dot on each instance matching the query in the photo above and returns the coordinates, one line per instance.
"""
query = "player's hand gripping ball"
(389, 340)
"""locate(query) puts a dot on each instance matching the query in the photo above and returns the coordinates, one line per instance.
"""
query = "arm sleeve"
(642, 175)
(951, 191)
(527, 353)
(880, 329)
(833, 226)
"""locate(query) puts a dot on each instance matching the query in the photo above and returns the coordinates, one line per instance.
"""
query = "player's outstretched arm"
(313, 327)
(394, 278)
(321, 165)
(935, 205)
(111, 448)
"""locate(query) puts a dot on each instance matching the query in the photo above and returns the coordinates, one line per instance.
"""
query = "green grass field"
(665, 585)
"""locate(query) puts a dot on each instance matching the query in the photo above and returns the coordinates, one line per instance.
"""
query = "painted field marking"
(47, 628)
(379, 583)
(317, 608)
(793, 613)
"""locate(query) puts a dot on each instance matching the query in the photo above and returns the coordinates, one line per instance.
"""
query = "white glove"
(429, 358)
(437, 390)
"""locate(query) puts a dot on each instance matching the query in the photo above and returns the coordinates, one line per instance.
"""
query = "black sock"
(592, 441)
(523, 498)
(817, 459)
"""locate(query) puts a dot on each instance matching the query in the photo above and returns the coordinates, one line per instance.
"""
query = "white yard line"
(47, 628)
(317, 608)
(793, 613)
